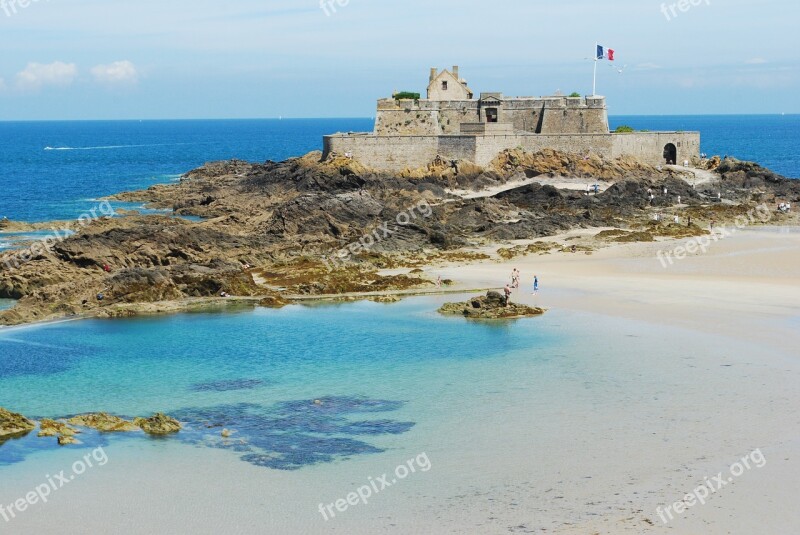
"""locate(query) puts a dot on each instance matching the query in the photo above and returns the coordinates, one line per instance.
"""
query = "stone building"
(451, 123)
(446, 85)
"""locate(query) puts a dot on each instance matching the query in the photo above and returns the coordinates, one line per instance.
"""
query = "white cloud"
(755, 61)
(119, 72)
(37, 75)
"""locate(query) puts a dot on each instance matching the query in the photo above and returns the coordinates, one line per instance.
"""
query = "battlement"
(538, 115)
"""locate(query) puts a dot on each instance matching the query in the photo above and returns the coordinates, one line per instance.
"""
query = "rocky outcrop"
(13, 424)
(158, 424)
(275, 229)
(554, 163)
(52, 428)
(738, 181)
(103, 421)
(491, 306)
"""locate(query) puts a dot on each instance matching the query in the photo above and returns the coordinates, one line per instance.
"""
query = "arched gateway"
(671, 154)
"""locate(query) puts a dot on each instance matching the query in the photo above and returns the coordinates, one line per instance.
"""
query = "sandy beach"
(745, 286)
(744, 289)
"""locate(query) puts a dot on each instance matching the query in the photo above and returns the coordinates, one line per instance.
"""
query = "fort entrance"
(671, 154)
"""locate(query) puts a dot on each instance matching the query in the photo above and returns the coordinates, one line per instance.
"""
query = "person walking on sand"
(535, 284)
(507, 292)
(439, 281)
(515, 278)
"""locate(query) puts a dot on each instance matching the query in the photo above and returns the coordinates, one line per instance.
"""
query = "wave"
(108, 147)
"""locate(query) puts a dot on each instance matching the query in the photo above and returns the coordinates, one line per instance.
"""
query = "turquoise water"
(258, 371)
(16, 240)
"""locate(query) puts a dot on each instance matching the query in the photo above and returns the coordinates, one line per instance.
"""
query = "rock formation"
(103, 421)
(158, 424)
(491, 306)
(13, 424)
(309, 227)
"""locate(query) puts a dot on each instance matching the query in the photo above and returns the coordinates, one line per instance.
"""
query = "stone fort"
(451, 123)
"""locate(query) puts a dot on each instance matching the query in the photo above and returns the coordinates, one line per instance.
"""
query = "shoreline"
(475, 281)
(269, 231)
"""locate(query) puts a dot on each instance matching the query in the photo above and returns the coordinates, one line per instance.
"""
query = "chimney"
(433, 74)
(455, 72)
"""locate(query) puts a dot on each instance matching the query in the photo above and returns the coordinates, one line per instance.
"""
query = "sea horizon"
(360, 117)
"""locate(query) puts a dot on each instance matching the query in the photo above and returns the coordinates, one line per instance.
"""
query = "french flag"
(603, 54)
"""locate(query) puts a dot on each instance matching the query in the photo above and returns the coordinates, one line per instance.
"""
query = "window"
(444, 85)
(491, 115)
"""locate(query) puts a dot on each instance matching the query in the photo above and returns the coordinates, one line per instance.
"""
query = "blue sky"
(108, 59)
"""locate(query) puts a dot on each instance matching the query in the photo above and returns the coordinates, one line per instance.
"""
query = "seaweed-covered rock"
(158, 424)
(51, 428)
(14, 424)
(103, 422)
(491, 306)
(65, 440)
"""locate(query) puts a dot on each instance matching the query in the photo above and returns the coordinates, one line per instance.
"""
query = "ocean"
(56, 170)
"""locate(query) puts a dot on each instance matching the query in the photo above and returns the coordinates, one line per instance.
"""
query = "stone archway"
(671, 154)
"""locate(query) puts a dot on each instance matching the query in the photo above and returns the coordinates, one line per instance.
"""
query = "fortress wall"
(408, 121)
(391, 153)
(458, 147)
(649, 146)
(579, 120)
(395, 153)
(450, 118)
(488, 147)
(423, 117)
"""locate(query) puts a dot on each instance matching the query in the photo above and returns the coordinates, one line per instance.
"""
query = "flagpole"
(594, 78)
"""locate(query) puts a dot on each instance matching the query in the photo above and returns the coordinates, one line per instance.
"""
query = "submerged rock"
(158, 424)
(386, 299)
(103, 422)
(273, 301)
(64, 440)
(491, 306)
(13, 424)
